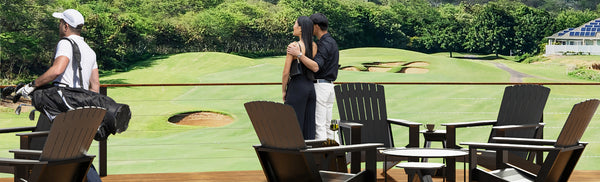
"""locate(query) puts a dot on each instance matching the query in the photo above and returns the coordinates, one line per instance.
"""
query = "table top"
(425, 152)
(433, 132)
(420, 165)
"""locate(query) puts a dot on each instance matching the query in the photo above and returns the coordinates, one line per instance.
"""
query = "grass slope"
(152, 145)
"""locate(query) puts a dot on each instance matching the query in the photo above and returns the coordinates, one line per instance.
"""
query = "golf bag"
(53, 100)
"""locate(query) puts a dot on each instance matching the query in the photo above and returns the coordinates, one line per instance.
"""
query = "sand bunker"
(350, 68)
(410, 70)
(201, 118)
(378, 69)
(389, 64)
(410, 67)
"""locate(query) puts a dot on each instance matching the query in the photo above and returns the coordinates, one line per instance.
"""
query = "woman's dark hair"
(306, 25)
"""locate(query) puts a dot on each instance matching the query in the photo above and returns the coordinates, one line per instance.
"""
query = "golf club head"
(32, 115)
(18, 110)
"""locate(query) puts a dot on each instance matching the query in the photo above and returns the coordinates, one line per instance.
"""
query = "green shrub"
(521, 58)
(535, 59)
(529, 58)
(587, 74)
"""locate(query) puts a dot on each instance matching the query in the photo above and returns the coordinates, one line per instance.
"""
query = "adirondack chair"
(283, 152)
(63, 157)
(560, 161)
(364, 103)
(520, 115)
(36, 142)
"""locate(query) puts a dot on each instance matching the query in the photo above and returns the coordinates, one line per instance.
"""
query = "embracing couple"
(308, 75)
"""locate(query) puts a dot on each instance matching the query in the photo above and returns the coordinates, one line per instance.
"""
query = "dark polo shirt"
(328, 58)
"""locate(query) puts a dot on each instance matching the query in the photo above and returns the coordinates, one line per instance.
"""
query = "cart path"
(515, 76)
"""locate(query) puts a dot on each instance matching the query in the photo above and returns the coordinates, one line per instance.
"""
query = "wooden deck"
(395, 175)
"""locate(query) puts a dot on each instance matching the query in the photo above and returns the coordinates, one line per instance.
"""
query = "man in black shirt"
(325, 65)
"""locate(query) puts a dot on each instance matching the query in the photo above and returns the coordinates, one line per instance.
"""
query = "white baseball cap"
(71, 17)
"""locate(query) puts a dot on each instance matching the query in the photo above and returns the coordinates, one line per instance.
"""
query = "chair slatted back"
(576, 123)
(275, 124)
(72, 133)
(522, 105)
(559, 165)
(364, 103)
(281, 140)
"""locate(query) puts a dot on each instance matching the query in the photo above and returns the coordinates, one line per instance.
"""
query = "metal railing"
(103, 146)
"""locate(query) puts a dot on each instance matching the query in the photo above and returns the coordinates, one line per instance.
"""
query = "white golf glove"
(26, 90)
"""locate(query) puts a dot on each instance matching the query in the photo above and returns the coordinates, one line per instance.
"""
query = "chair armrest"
(513, 127)
(332, 149)
(349, 124)
(344, 148)
(26, 152)
(17, 129)
(470, 124)
(403, 122)
(34, 134)
(314, 143)
(526, 141)
(355, 132)
(501, 130)
(260, 147)
(451, 130)
(503, 146)
(17, 162)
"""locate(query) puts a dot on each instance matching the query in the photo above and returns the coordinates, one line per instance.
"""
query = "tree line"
(123, 32)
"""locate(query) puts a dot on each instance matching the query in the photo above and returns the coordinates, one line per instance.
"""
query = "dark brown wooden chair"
(520, 115)
(562, 154)
(364, 103)
(285, 156)
(63, 157)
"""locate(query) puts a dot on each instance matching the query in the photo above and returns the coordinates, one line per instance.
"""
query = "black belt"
(322, 81)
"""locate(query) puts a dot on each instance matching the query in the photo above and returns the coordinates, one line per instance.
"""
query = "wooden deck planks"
(396, 175)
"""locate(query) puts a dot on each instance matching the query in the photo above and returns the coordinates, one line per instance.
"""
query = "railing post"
(102, 147)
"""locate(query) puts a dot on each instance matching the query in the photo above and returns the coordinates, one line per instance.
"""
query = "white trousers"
(323, 111)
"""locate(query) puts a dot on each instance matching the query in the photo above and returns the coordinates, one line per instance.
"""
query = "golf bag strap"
(76, 61)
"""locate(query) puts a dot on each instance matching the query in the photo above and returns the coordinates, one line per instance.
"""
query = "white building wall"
(560, 49)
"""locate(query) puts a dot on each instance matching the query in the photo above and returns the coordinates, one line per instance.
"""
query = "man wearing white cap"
(64, 70)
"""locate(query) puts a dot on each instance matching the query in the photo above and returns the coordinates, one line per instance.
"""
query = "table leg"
(451, 169)
(444, 175)
(465, 168)
(384, 167)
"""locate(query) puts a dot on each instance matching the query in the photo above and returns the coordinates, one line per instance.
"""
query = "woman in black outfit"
(297, 80)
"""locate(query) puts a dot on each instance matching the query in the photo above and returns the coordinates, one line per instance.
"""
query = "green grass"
(152, 145)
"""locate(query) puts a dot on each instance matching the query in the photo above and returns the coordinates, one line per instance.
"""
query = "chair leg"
(21, 172)
(391, 164)
(412, 174)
